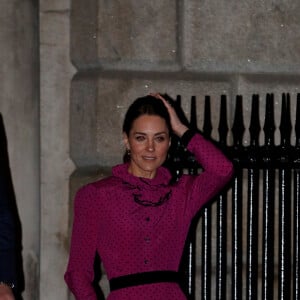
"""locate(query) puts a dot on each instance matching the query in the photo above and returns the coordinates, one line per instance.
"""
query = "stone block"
(123, 32)
(242, 36)
(54, 6)
(83, 35)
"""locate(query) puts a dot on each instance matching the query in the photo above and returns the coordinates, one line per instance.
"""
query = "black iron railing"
(250, 234)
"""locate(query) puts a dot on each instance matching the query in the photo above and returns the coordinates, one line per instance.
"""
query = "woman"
(136, 219)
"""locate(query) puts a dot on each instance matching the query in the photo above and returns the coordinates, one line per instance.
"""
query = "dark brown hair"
(147, 105)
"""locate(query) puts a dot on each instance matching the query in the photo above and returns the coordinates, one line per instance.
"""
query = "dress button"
(146, 261)
(147, 239)
(147, 219)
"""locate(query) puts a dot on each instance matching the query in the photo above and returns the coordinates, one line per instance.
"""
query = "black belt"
(143, 278)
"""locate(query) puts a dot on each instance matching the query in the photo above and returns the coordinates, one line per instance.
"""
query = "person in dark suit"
(7, 248)
(9, 227)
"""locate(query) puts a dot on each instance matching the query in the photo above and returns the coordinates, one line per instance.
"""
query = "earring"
(126, 157)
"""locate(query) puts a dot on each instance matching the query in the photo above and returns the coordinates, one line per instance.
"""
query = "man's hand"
(6, 292)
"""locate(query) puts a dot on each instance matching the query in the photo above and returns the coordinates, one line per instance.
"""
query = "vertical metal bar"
(285, 201)
(252, 234)
(191, 262)
(268, 202)
(206, 254)
(268, 233)
(193, 118)
(221, 264)
(206, 221)
(180, 161)
(192, 169)
(296, 161)
(253, 207)
(187, 267)
(296, 258)
(237, 204)
(284, 234)
(236, 289)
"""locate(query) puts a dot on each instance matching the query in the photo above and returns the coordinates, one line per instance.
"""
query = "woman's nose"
(150, 146)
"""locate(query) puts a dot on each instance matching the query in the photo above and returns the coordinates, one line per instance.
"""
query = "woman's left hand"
(178, 127)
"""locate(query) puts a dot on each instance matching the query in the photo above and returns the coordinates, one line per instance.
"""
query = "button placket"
(147, 238)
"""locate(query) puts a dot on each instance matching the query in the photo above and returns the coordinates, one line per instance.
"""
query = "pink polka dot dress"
(140, 225)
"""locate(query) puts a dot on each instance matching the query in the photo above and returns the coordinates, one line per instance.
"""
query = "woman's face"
(148, 142)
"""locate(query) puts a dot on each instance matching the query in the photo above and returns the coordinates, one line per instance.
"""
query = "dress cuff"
(187, 136)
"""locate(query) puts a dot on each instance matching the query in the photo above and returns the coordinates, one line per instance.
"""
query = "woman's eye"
(140, 138)
(160, 138)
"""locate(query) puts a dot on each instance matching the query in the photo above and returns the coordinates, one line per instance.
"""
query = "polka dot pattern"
(132, 238)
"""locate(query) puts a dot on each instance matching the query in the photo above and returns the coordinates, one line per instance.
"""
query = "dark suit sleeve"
(8, 221)
(7, 239)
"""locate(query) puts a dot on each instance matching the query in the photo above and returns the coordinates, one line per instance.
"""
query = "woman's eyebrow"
(143, 133)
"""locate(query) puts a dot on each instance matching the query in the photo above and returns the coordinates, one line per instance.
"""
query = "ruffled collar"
(162, 177)
(145, 191)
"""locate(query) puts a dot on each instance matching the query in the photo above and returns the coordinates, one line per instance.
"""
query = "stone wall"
(96, 56)
(56, 72)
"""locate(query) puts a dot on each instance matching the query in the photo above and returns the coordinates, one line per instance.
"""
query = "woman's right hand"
(177, 126)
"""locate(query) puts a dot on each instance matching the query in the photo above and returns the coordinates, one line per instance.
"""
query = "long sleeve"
(217, 171)
(7, 247)
(7, 235)
(80, 272)
(8, 271)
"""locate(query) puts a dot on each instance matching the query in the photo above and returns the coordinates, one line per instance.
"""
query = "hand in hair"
(177, 126)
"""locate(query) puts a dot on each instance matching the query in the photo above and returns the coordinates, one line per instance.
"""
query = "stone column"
(56, 166)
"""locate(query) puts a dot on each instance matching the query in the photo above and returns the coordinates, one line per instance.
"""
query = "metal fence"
(248, 247)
